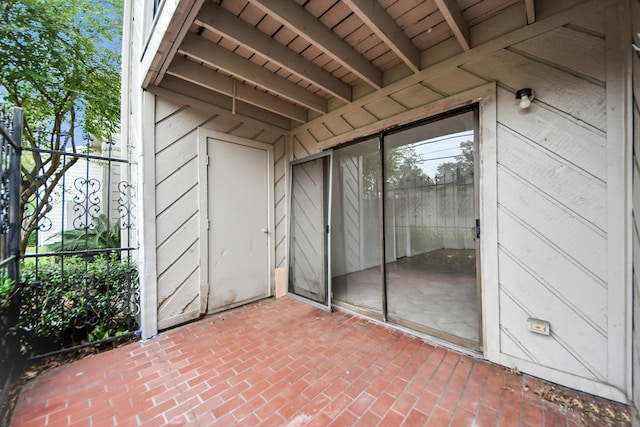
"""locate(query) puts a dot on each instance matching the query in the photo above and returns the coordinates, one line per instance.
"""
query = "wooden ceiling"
(291, 59)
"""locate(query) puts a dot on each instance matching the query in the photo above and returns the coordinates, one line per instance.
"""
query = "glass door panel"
(356, 227)
(430, 219)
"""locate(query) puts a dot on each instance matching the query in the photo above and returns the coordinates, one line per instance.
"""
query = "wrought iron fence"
(10, 153)
(79, 282)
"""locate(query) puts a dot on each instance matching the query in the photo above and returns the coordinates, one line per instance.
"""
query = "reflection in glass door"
(430, 222)
(355, 227)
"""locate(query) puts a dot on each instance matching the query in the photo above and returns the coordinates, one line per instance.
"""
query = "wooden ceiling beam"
(531, 11)
(311, 29)
(216, 56)
(228, 25)
(379, 21)
(209, 79)
(452, 14)
(190, 94)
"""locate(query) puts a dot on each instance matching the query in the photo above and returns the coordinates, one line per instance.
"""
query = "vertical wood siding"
(635, 13)
(280, 200)
(178, 206)
(552, 185)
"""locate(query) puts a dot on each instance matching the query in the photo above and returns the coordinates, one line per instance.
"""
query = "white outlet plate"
(539, 326)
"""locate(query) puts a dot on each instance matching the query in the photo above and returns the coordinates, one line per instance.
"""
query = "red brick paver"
(281, 362)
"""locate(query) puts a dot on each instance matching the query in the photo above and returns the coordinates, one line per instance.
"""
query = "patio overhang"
(285, 63)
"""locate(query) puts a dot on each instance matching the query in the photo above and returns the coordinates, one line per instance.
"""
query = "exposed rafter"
(452, 14)
(195, 73)
(216, 56)
(379, 21)
(307, 26)
(219, 20)
(196, 96)
(531, 11)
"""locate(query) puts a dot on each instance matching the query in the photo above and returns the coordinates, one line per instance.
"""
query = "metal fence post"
(14, 211)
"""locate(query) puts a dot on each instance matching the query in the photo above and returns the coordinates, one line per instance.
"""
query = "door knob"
(265, 231)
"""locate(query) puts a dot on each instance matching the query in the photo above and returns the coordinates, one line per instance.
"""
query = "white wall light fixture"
(525, 95)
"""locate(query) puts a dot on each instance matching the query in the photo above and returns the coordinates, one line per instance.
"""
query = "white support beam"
(379, 21)
(453, 16)
(216, 56)
(219, 20)
(207, 78)
(311, 29)
(208, 100)
(531, 11)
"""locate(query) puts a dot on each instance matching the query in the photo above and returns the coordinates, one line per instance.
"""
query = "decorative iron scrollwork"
(126, 204)
(86, 202)
(30, 208)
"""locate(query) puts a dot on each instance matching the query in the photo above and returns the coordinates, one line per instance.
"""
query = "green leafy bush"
(7, 288)
(101, 235)
(69, 300)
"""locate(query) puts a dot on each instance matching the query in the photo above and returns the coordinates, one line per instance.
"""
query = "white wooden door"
(238, 207)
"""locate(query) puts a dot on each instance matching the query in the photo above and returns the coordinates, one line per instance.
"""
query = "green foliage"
(57, 59)
(60, 62)
(100, 235)
(403, 167)
(7, 288)
(463, 161)
(64, 303)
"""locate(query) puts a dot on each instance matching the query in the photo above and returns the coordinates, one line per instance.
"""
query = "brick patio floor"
(281, 362)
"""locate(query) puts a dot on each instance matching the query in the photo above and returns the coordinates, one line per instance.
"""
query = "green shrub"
(7, 288)
(101, 235)
(69, 300)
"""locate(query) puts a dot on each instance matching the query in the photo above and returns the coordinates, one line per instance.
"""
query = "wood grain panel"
(575, 96)
(568, 325)
(359, 117)
(181, 302)
(180, 242)
(179, 125)
(582, 146)
(576, 239)
(592, 23)
(578, 193)
(165, 108)
(454, 81)
(175, 185)
(304, 145)
(222, 123)
(320, 132)
(280, 200)
(566, 279)
(570, 49)
(545, 350)
(175, 156)
(415, 96)
(172, 280)
(176, 215)
(635, 23)
(383, 108)
(337, 125)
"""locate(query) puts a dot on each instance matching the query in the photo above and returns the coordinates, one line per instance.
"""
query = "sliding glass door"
(388, 227)
(309, 264)
(430, 217)
(356, 227)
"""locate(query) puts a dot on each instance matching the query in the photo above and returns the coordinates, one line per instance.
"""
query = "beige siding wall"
(177, 205)
(635, 8)
(552, 186)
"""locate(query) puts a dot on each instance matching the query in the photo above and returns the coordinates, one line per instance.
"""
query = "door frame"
(328, 181)
(486, 97)
(203, 199)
